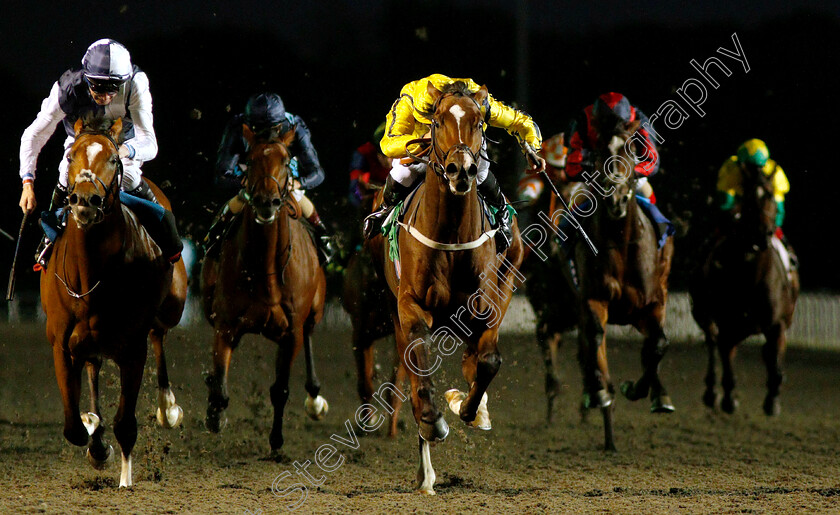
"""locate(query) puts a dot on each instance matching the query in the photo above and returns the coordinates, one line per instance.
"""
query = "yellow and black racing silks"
(407, 118)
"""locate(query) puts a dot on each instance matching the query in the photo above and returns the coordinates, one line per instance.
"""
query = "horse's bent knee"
(489, 364)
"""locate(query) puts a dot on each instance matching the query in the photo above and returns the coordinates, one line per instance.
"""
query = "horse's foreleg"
(224, 341)
(479, 367)
(413, 346)
(97, 453)
(287, 348)
(425, 473)
(709, 395)
(315, 406)
(125, 421)
(549, 342)
(592, 355)
(773, 353)
(395, 401)
(68, 375)
(653, 350)
(727, 350)
(363, 354)
(169, 414)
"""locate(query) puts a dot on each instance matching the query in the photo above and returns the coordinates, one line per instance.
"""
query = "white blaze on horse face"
(615, 144)
(92, 151)
(458, 112)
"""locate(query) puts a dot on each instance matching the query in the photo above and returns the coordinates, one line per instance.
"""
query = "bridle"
(108, 191)
(438, 156)
(249, 193)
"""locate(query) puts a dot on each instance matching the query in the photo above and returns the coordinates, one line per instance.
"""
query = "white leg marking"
(90, 421)
(316, 408)
(454, 398)
(425, 473)
(125, 472)
(169, 414)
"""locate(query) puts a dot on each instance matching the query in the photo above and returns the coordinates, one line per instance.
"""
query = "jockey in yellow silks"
(408, 119)
(729, 185)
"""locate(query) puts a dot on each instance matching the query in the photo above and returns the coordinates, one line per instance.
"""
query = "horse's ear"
(116, 128)
(481, 95)
(632, 127)
(433, 92)
(248, 134)
(288, 136)
(78, 126)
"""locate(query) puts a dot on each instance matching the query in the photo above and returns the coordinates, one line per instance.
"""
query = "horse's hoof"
(729, 405)
(482, 416)
(601, 399)
(316, 408)
(426, 491)
(215, 421)
(772, 406)
(662, 404)
(90, 421)
(709, 398)
(434, 432)
(173, 418)
(97, 463)
(454, 398)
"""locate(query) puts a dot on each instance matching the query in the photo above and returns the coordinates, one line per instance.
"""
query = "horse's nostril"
(473, 171)
(276, 202)
(452, 169)
(73, 199)
(95, 201)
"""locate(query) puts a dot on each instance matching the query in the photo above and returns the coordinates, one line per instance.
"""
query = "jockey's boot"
(144, 191)
(42, 253)
(326, 245)
(216, 232)
(160, 222)
(392, 194)
(492, 193)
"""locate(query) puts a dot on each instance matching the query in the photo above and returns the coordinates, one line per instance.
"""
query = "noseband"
(109, 190)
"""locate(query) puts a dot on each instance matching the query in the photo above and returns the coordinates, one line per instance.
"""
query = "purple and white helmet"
(107, 60)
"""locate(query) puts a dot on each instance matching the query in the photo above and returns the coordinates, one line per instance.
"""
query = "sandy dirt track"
(695, 460)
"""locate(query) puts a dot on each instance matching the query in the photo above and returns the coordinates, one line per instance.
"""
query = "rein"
(111, 190)
(285, 199)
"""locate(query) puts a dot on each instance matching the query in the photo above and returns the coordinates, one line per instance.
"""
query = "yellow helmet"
(753, 152)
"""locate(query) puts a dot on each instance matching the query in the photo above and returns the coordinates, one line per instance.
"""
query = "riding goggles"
(104, 85)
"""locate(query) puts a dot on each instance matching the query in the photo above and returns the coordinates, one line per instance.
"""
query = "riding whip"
(10, 291)
(532, 157)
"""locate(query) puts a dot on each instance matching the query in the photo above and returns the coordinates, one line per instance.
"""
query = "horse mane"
(458, 87)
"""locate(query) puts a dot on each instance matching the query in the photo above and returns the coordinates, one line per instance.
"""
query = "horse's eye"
(115, 160)
(69, 159)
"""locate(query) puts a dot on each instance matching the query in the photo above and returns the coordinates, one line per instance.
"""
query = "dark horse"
(554, 303)
(363, 296)
(453, 286)
(105, 290)
(742, 288)
(625, 284)
(267, 281)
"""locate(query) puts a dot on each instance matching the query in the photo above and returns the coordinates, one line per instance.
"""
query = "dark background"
(340, 65)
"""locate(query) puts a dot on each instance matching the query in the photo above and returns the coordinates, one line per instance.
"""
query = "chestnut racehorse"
(742, 288)
(106, 288)
(452, 286)
(625, 284)
(266, 281)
